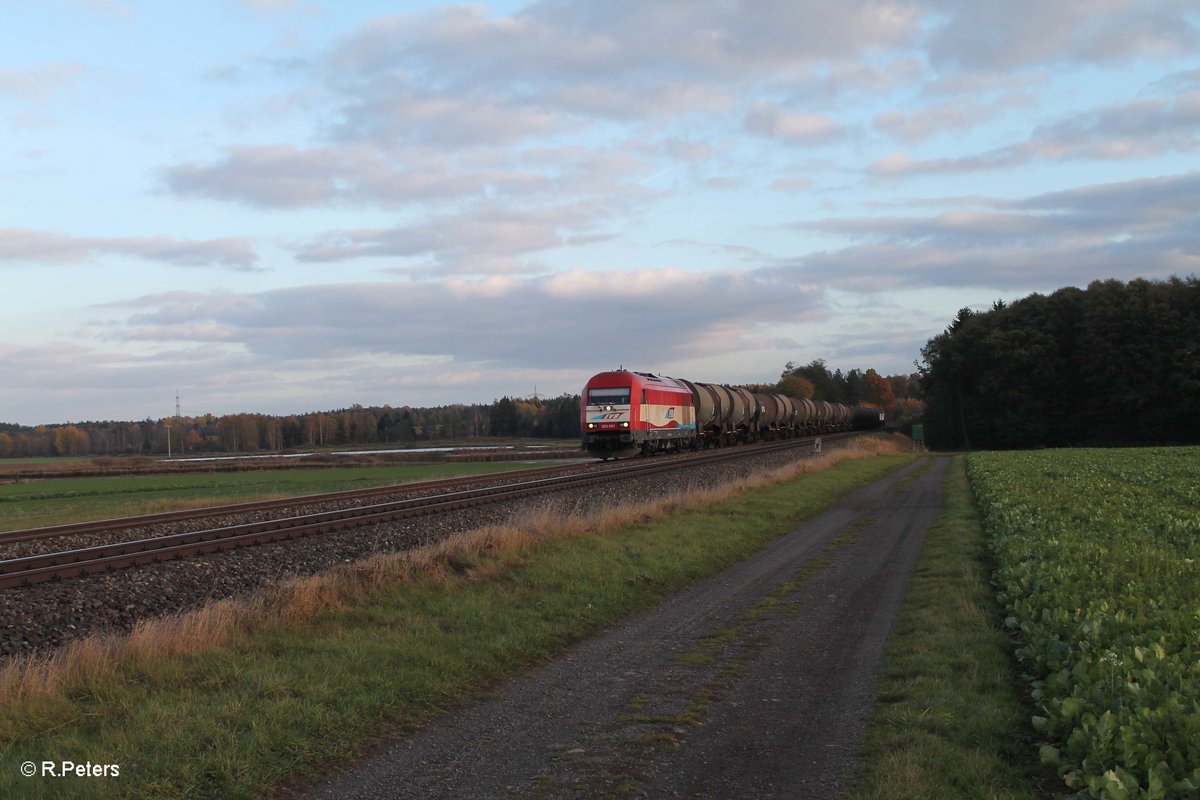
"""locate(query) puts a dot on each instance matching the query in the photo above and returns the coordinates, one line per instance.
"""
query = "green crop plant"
(1097, 556)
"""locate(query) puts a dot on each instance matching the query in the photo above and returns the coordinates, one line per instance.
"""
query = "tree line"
(357, 426)
(1117, 363)
(898, 396)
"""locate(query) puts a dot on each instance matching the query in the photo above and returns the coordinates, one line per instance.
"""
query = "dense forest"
(358, 426)
(1117, 363)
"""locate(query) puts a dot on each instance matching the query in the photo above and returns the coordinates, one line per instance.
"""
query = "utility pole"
(178, 423)
(167, 425)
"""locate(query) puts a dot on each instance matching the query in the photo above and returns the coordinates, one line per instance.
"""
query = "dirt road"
(752, 684)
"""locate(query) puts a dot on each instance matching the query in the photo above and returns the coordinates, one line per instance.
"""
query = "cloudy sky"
(292, 205)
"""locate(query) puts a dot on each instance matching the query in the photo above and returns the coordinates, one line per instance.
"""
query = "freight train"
(627, 413)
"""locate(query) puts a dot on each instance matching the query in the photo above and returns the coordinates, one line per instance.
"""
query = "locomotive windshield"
(608, 397)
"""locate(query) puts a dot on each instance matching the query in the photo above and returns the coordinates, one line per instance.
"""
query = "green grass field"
(60, 500)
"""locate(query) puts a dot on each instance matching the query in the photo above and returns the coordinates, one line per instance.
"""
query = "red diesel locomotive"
(627, 413)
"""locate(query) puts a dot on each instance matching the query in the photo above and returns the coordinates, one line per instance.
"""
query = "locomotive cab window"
(608, 397)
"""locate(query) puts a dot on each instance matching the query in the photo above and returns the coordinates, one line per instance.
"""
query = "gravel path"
(695, 698)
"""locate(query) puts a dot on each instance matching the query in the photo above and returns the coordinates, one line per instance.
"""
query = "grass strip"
(948, 721)
(376, 649)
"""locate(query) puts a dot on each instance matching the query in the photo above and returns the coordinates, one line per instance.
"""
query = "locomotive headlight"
(591, 425)
(624, 424)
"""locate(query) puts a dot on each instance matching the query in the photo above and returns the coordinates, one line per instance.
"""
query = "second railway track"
(84, 561)
(275, 504)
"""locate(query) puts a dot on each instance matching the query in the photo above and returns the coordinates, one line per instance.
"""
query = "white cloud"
(412, 103)
(1020, 33)
(283, 7)
(483, 239)
(1141, 228)
(41, 247)
(954, 116)
(575, 42)
(554, 321)
(1141, 128)
(839, 84)
(771, 121)
(38, 83)
(286, 176)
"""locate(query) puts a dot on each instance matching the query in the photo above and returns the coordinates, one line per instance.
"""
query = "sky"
(283, 206)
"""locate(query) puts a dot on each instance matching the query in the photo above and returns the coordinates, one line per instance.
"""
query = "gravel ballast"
(42, 617)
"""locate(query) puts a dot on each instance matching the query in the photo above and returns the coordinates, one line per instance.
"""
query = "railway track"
(108, 557)
(190, 514)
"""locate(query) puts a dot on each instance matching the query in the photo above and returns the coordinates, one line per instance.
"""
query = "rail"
(103, 558)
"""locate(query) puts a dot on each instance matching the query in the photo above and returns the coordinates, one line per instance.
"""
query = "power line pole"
(178, 424)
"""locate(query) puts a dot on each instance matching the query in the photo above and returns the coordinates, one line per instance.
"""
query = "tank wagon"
(626, 413)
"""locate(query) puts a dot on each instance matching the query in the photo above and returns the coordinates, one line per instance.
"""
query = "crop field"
(1097, 569)
(58, 500)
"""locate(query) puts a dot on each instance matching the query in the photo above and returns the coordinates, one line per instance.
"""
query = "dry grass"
(94, 661)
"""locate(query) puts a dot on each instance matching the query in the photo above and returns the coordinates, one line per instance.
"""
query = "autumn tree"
(877, 391)
(796, 386)
(831, 385)
(70, 441)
